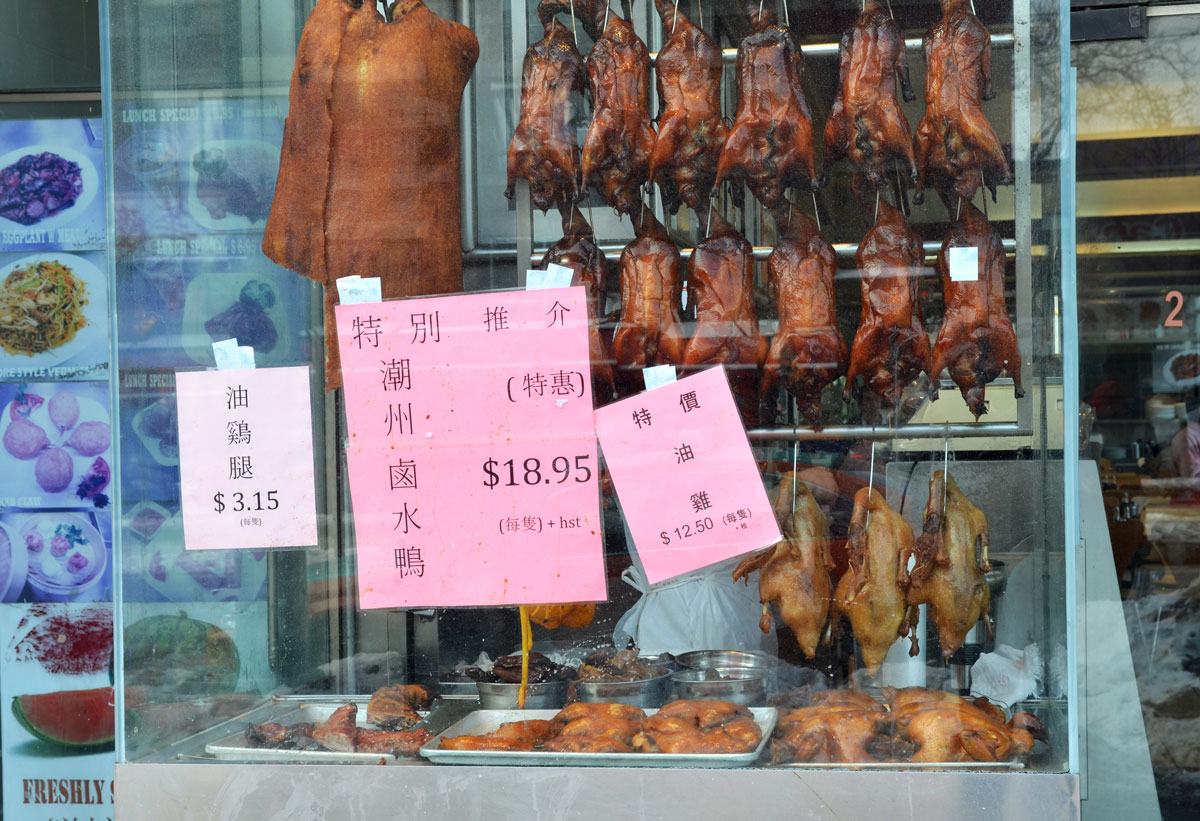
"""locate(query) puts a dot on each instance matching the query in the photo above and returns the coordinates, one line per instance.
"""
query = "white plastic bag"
(1008, 675)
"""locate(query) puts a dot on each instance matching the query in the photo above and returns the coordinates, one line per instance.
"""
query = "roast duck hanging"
(369, 170)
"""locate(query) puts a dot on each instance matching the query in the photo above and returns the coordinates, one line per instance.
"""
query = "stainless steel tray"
(234, 746)
(485, 721)
(990, 766)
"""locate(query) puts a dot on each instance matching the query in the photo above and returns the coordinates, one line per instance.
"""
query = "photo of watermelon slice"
(73, 719)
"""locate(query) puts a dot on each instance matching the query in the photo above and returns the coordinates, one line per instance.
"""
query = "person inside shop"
(1185, 446)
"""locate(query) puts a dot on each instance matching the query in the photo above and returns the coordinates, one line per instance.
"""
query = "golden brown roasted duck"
(770, 146)
(873, 592)
(721, 286)
(866, 123)
(837, 732)
(650, 330)
(955, 732)
(691, 131)
(976, 342)
(794, 574)
(544, 149)
(578, 250)
(369, 170)
(903, 701)
(956, 148)
(616, 152)
(891, 347)
(951, 558)
(713, 727)
(807, 351)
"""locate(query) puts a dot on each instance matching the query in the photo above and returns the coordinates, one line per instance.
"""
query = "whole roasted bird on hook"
(616, 152)
(544, 149)
(369, 170)
(807, 351)
(976, 342)
(691, 131)
(956, 148)
(770, 146)
(866, 123)
(794, 574)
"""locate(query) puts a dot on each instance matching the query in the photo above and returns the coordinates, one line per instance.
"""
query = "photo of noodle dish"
(53, 305)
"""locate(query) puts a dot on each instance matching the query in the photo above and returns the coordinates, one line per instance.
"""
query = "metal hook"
(816, 210)
(891, 13)
(675, 19)
(945, 468)
(607, 9)
(958, 211)
(574, 34)
(708, 224)
(876, 206)
(870, 489)
(795, 457)
(787, 17)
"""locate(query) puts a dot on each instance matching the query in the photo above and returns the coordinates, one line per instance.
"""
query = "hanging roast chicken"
(691, 130)
(578, 250)
(873, 593)
(544, 149)
(956, 148)
(770, 146)
(369, 170)
(721, 285)
(891, 347)
(951, 557)
(976, 342)
(616, 153)
(808, 351)
(866, 123)
(650, 331)
(794, 574)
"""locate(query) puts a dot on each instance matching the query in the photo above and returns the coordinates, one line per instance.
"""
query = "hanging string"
(574, 34)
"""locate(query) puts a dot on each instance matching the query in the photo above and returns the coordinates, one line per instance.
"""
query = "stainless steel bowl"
(548, 695)
(741, 685)
(704, 659)
(647, 692)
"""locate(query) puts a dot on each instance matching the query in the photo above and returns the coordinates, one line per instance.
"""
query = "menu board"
(472, 456)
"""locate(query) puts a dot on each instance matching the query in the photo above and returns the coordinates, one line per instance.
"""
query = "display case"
(379, 169)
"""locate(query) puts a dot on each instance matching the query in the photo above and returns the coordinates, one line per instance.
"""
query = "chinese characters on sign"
(245, 459)
(685, 474)
(472, 455)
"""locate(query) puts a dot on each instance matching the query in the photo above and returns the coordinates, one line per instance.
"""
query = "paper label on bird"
(686, 477)
(472, 453)
(964, 264)
(552, 276)
(246, 459)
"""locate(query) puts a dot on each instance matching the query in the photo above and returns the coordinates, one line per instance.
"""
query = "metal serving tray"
(905, 765)
(485, 721)
(234, 746)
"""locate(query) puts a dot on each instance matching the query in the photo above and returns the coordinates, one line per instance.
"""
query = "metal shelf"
(917, 431)
(729, 55)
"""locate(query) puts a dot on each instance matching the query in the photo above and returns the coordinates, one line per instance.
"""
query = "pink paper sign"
(472, 456)
(687, 480)
(246, 459)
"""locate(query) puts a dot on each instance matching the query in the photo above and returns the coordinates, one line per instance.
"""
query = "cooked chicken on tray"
(836, 731)
(721, 286)
(616, 152)
(976, 342)
(691, 131)
(699, 727)
(770, 146)
(956, 148)
(951, 558)
(341, 734)
(395, 706)
(544, 149)
(369, 170)
(807, 351)
(650, 330)
(891, 347)
(578, 250)
(866, 123)
(794, 574)
(873, 592)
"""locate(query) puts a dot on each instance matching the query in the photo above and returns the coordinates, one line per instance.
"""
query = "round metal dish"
(741, 685)
(646, 692)
(500, 695)
(704, 659)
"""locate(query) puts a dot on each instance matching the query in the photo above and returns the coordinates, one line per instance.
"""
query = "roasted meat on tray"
(395, 706)
(807, 351)
(951, 557)
(721, 285)
(616, 152)
(873, 593)
(837, 731)
(956, 148)
(650, 331)
(891, 347)
(699, 727)
(976, 342)
(544, 149)
(368, 177)
(866, 123)
(691, 131)
(770, 146)
(794, 574)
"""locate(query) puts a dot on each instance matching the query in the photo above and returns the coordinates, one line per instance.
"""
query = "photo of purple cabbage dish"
(38, 186)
